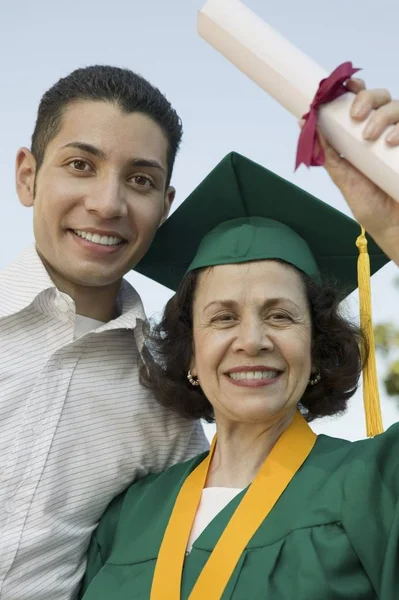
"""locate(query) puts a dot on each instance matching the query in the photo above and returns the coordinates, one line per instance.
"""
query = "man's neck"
(97, 303)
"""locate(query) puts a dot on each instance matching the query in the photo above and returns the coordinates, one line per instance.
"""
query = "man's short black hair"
(127, 90)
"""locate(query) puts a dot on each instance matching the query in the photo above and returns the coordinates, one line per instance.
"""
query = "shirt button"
(37, 428)
(62, 305)
(10, 506)
(63, 317)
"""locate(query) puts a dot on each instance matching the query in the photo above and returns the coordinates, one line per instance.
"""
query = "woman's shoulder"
(372, 459)
(388, 441)
(383, 444)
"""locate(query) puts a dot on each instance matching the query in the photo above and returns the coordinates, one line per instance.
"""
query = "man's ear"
(25, 173)
(169, 197)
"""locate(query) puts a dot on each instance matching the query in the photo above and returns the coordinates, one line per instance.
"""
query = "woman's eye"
(280, 317)
(224, 318)
(79, 165)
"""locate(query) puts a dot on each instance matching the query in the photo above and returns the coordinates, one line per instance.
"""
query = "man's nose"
(108, 200)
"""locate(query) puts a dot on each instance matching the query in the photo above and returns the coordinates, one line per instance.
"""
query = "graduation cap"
(243, 212)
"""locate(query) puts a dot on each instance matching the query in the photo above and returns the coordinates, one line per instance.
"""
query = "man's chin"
(85, 276)
(94, 280)
(85, 270)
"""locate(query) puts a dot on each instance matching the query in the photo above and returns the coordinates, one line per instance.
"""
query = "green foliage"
(386, 337)
(387, 343)
(392, 379)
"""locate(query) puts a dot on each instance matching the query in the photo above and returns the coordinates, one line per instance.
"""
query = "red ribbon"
(309, 152)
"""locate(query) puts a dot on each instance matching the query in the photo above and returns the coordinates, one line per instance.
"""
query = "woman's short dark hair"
(337, 349)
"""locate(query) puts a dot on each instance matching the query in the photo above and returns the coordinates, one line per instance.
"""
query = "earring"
(315, 380)
(192, 380)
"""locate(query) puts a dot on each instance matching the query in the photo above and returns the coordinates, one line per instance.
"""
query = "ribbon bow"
(308, 152)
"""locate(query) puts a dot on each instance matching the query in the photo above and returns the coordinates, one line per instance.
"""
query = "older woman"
(254, 339)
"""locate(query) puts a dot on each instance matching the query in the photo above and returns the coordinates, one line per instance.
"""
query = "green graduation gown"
(333, 534)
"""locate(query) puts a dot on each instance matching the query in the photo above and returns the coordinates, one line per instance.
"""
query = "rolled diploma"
(292, 78)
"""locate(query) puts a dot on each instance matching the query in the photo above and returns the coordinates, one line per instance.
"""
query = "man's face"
(100, 193)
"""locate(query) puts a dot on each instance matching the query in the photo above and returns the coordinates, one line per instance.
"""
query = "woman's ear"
(193, 368)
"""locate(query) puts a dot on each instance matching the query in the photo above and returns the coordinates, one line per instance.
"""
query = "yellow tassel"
(371, 397)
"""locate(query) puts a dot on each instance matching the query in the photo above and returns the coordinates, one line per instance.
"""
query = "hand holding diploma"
(369, 178)
(371, 206)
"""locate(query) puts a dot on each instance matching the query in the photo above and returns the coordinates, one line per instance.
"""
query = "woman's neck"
(241, 450)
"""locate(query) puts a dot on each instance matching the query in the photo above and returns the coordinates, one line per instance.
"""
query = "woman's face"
(252, 340)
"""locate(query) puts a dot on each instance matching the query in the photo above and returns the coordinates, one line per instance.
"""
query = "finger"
(367, 100)
(355, 85)
(381, 119)
(393, 136)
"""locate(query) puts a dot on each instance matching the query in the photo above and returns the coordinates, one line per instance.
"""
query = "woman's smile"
(253, 376)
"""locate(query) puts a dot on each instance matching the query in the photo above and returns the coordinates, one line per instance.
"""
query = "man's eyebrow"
(144, 162)
(86, 148)
(135, 162)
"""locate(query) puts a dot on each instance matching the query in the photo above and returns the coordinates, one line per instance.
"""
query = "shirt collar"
(22, 281)
(129, 307)
(25, 278)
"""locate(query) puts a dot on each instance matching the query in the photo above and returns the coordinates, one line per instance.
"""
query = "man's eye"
(142, 181)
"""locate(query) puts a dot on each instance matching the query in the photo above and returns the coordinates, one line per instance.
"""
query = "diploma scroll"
(292, 78)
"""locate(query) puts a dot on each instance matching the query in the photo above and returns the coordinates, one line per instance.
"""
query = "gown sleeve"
(370, 511)
(101, 542)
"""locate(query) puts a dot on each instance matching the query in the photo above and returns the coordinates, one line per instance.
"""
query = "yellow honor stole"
(280, 466)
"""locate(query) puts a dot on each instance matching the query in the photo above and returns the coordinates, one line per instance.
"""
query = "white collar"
(26, 278)
(22, 281)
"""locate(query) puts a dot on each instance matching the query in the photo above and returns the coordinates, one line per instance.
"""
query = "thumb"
(332, 158)
(335, 165)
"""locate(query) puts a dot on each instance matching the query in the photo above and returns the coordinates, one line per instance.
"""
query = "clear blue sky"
(221, 109)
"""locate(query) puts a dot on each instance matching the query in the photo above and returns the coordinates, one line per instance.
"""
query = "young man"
(76, 425)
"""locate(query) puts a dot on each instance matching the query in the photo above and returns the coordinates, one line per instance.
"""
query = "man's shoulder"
(26, 259)
(21, 281)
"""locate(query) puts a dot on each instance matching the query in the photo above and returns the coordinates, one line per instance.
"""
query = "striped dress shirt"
(76, 428)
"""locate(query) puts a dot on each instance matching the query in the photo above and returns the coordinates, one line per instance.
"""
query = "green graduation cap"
(242, 212)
